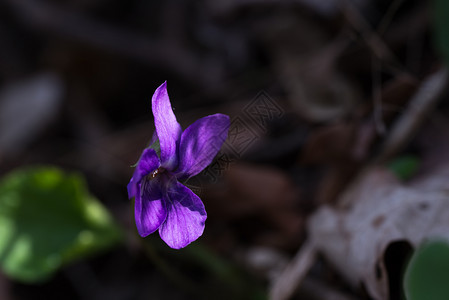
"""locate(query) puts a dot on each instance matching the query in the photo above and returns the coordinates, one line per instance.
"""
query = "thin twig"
(321, 291)
(377, 96)
(386, 20)
(426, 97)
(372, 39)
(287, 283)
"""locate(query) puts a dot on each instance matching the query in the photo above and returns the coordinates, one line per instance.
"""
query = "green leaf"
(48, 219)
(156, 146)
(404, 167)
(427, 275)
(441, 28)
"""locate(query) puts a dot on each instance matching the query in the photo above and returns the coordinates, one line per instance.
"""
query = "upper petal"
(149, 210)
(186, 217)
(200, 142)
(167, 128)
(148, 162)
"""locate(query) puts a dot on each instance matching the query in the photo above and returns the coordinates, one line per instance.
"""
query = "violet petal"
(167, 128)
(186, 217)
(150, 211)
(148, 162)
(200, 142)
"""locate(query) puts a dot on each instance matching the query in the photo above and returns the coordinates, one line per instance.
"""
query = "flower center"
(156, 172)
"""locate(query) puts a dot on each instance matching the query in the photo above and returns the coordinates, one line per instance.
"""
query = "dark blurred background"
(311, 87)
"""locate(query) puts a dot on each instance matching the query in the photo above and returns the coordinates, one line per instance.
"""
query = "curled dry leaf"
(379, 221)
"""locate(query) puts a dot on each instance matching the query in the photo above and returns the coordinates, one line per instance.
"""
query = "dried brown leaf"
(377, 212)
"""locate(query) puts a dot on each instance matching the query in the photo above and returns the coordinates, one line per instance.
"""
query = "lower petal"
(186, 217)
(150, 211)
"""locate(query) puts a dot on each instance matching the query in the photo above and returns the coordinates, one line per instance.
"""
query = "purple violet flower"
(161, 201)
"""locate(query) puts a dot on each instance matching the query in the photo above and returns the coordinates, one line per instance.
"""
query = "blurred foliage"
(202, 273)
(427, 275)
(404, 167)
(222, 275)
(47, 219)
(441, 27)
